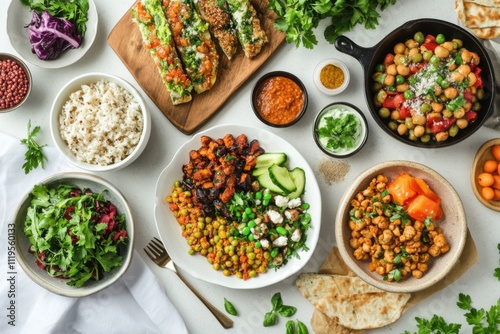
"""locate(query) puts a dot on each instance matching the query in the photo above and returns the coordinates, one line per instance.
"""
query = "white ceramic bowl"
(197, 265)
(18, 16)
(343, 108)
(453, 223)
(335, 62)
(57, 285)
(63, 96)
(25, 68)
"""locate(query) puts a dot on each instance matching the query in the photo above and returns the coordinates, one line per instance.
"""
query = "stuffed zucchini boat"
(217, 15)
(251, 35)
(194, 43)
(156, 35)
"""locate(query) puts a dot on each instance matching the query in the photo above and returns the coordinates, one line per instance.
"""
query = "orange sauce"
(279, 100)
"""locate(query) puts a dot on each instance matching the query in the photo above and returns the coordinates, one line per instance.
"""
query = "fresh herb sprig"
(229, 307)
(298, 18)
(34, 155)
(278, 309)
(340, 132)
(75, 11)
(482, 321)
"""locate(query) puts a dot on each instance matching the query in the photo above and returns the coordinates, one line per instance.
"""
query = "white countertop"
(453, 162)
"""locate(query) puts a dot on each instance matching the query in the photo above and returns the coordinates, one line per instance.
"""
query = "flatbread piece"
(356, 304)
(482, 17)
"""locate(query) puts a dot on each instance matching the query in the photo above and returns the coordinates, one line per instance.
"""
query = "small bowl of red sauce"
(15, 82)
(279, 99)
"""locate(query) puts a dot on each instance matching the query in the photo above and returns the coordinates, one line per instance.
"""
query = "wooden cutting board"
(125, 39)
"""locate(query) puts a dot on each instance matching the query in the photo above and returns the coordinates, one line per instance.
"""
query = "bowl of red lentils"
(331, 76)
(15, 82)
(279, 99)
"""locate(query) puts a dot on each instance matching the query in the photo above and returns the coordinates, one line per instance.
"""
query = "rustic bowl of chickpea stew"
(429, 83)
(401, 227)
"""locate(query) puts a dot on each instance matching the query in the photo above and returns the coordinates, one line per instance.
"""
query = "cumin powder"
(331, 76)
(333, 171)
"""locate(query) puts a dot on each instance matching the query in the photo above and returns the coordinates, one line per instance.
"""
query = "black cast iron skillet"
(370, 57)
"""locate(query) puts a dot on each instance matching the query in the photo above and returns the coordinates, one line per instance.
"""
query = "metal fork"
(158, 254)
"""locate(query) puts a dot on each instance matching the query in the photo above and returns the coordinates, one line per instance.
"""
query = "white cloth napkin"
(137, 303)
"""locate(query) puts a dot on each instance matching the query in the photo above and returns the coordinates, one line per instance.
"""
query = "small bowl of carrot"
(485, 174)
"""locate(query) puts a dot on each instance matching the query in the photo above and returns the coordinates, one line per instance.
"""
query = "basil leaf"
(302, 328)
(287, 311)
(276, 301)
(230, 307)
(269, 319)
(290, 327)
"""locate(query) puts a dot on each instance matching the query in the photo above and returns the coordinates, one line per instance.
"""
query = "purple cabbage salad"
(50, 36)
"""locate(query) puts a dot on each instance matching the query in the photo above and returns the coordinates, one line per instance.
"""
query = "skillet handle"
(347, 46)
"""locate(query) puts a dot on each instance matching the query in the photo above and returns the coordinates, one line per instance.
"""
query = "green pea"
(434, 60)
(274, 252)
(393, 126)
(251, 223)
(268, 196)
(258, 244)
(427, 55)
(453, 130)
(408, 94)
(412, 80)
(384, 112)
(417, 58)
(248, 211)
(380, 68)
(400, 79)
(281, 230)
(419, 37)
(425, 138)
(444, 83)
(425, 108)
(246, 230)
(440, 39)
(250, 237)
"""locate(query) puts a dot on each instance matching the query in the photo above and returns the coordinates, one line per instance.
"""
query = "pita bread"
(482, 17)
(356, 304)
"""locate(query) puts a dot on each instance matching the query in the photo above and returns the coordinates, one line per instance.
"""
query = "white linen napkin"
(137, 303)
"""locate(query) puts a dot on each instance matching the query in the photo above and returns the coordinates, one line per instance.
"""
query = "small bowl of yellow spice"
(331, 76)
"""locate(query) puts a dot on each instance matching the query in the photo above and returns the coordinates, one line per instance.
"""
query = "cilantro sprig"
(34, 155)
(298, 18)
(339, 132)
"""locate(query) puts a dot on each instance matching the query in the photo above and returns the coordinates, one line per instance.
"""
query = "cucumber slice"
(299, 178)
(268, 159)
(259, 171)
(281, 177)
(266, 182)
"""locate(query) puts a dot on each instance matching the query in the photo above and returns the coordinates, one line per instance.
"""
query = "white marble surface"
(138, 180)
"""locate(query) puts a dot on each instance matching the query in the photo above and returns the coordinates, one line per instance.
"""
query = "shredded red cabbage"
(50, 36)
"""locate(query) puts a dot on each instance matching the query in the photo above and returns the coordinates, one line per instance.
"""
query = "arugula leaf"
(74, 10)
(34, 155)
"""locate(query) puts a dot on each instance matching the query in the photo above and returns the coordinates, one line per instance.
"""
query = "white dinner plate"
(197, 265)
(19, 16)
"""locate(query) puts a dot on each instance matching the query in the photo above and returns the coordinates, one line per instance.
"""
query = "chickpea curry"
(387, 234)
(428, 88)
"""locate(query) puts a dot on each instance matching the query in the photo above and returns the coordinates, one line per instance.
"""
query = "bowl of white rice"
(100, 122)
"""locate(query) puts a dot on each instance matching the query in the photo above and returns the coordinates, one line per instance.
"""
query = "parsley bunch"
(34, 155)
(298, 18)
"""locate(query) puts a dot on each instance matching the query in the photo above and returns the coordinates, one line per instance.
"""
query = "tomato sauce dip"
(279, 100)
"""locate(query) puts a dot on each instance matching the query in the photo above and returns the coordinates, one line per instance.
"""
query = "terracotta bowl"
(483, 154)
(453, 223)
